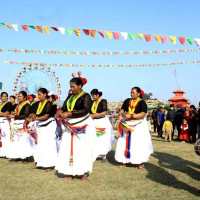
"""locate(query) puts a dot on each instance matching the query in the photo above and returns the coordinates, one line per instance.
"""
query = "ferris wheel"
(32, 78)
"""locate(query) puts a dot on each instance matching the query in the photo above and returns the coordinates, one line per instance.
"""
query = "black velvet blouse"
(46, 110)
(102, 107)
(24, 113)
(54, 110)
(13, 107)
(141, 107)
(7, 107)
(82, 106)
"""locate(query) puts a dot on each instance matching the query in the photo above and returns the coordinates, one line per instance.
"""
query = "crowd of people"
(71, 138)
(186, 120)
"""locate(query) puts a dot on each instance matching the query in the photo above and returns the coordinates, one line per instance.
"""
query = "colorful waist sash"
(74, 131)
(123, 128)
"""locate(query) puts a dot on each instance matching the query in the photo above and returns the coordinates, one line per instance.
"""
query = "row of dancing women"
(70, 139)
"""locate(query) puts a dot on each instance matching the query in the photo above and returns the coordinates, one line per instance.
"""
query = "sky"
(167, 17)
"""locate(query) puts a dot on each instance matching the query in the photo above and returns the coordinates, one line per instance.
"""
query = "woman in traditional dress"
(5, 109)
(52, 99)
(134, 144)
(76, 146)
(12, 101)
(31, 99)
(21, 145)
(104, 130)
(45, 153)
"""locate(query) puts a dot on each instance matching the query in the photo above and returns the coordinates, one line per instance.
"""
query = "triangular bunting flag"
(197, 41)
(54, 28)
(31, 26)
(101, 33)
(9, 26)
(46, 29)
(147, 37)
(25, 27)
(124, 35)
(140, 35)
(132, 36)
(2, 24)
(173, 39)
(86, 31)
(190, 40)
(116, 35)
(39, 28)
(164, 39)
(77, 32)
(69, 31)
(15, 26)
(109, 34)
(182, 40)
(157, 37)
(93, 33)
(62, 30)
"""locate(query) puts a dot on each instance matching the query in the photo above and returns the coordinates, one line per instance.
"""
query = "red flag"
(182, 40)
(86, 31)
(25, 27)
(147, 37)
(116, 35)
(101, 33)
(54, 28)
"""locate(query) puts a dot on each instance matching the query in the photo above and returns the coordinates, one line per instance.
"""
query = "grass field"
(173, 172)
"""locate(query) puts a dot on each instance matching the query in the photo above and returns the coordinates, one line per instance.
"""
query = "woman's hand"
(93, 116)
(127, 116)
(65, 115)
(11, 116)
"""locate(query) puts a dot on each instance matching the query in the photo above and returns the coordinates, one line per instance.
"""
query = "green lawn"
(173, 172)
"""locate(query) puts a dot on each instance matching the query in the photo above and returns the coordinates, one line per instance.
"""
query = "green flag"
(132, 36)
(31, 26)
(190, 40)
(2, 24)
(69, 31)
(1, 85)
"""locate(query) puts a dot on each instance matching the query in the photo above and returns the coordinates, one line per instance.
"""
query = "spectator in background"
(198, 122)
(170, 116)
(168, 129)
(184, 136)
(161, 120)
(193, 123)
(155, 119)
(178, 120)
(149, 123)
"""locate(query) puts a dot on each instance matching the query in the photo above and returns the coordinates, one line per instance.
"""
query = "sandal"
(48, 169)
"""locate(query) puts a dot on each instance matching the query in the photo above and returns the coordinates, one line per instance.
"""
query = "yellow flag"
(173, 39)
(9, 26)
(109, 34)
(157, 37)
(46, 29)
(77, 32)
(140, 35)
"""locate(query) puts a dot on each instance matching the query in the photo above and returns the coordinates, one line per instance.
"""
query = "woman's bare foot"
(68, 178)
(85, 177)
(141, 166)
(122, 166)
(34, 167)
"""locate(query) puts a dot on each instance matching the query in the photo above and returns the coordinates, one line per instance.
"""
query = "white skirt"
(83, 149)
(140, 146)
(5, 130)
(104, 142)
(21, 146)
(45, 153)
